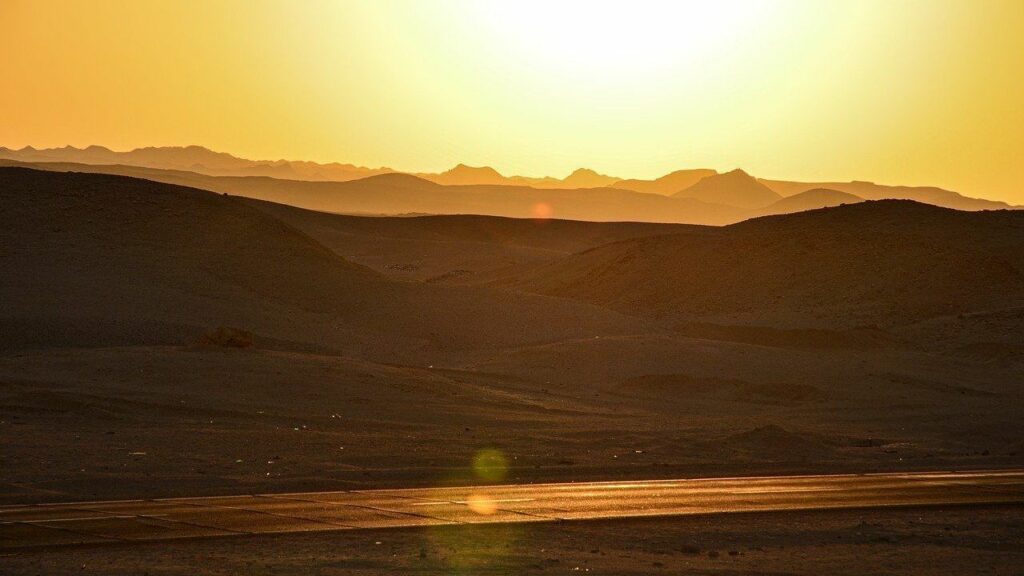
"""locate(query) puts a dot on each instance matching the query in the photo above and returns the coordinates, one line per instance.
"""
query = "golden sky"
(894, 91)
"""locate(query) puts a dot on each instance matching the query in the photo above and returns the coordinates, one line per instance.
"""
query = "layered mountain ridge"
(735, 190)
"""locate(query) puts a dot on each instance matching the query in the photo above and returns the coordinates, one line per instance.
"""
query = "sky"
(892, 91)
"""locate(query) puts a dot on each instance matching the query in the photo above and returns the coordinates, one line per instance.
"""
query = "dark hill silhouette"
(393, 194)
(735, 188)
(94, 259)
(457, 247)
(874, 263)
(872, 191)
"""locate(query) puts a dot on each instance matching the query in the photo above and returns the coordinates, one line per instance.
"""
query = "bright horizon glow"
(604, 43)
(920, 92)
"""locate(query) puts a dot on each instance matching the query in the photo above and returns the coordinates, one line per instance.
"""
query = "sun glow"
(620, 41)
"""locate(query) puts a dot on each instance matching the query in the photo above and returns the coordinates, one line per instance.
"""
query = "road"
(162, 519)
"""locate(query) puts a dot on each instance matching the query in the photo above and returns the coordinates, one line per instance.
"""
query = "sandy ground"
(855, 542)
(107, 423)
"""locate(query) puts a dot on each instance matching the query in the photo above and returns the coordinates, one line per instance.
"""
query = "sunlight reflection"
(481, 504)
(472, 547)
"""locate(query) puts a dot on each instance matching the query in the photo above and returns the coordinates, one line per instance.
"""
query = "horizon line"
(389, 169)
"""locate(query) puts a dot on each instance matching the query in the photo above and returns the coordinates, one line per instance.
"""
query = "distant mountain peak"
(733, 188)
(463, 174)
(668, 184)
(688, 172)
(587, 178)
(466, 169)
(737, 173)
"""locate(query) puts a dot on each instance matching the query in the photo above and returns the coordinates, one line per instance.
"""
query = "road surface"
(163, 519)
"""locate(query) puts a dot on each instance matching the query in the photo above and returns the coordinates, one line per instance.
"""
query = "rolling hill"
(396, 194)
(458, 246)
(97, 260)
(882, 263)
(872, 191)
(810, 200)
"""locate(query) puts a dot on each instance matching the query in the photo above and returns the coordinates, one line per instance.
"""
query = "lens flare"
(490, 465)
(481, 504)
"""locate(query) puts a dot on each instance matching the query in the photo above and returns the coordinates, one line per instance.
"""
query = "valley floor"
(924, 541)
(143, 422)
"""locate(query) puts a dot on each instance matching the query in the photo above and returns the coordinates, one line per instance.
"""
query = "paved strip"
(164, 519)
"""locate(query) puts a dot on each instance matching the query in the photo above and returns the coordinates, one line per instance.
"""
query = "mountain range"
(700, 196)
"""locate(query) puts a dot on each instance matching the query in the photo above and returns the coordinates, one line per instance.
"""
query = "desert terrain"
(150, 350)
(982, 540)
(507, 287)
